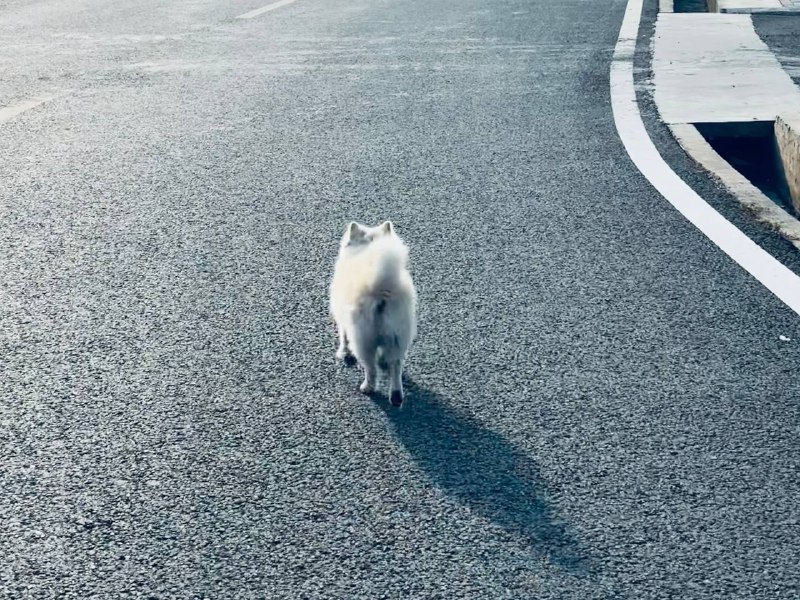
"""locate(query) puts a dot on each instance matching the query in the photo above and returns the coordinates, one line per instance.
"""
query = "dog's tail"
(393, 259)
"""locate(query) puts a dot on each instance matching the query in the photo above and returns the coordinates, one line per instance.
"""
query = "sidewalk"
(754, 6)
(713, 67)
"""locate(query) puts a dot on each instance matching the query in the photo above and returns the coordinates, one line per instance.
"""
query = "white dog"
(373, 302)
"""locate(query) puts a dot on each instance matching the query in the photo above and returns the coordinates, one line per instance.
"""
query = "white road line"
(264, 9)
(755, 260)
(9, 112)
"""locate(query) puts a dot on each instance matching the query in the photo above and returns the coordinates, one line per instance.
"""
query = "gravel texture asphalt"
(600, 402)
(782, 34)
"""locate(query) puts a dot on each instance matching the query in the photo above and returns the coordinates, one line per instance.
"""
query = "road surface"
(602, 404)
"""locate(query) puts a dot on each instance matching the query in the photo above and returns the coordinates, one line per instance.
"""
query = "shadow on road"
(482, 470)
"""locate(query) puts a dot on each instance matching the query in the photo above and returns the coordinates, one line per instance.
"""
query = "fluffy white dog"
(373, 302)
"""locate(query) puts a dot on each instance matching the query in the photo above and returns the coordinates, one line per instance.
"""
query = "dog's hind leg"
(366, 350)
(341, 352)
(396, 373)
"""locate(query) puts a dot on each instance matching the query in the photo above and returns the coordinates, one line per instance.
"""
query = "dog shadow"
(483, 471)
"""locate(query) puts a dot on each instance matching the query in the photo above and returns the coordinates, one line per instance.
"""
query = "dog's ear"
(387, 228)
(354, 231)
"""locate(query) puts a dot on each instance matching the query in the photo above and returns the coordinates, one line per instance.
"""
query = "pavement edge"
(749, 196)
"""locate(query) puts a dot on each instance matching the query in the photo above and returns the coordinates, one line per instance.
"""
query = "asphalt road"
(779, 32)
(600, 404)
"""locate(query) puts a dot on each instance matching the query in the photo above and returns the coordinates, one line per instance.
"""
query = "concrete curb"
(760, 11)
(748, 195)
(771, 7)
(751, 6)
(712, 6)
(787, 136)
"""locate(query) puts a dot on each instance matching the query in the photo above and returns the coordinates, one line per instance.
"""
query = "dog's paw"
(366, 388)
(396, 398)
(346, 357)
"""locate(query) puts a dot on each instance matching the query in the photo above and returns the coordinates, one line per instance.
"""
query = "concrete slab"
(737, 4)
(779, 7)
(712, 68)
(780, 11)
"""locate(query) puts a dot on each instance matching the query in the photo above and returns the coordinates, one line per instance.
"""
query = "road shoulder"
(711, 188)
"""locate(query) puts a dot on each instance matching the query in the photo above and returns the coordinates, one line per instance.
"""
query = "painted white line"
(755, 260)
(264, 9)
(9, 112)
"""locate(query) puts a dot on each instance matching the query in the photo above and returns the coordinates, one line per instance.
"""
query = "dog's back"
(373, 289)
(373, 301)
(388, 304)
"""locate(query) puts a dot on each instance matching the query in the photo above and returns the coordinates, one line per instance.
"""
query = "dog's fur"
(373, 302)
